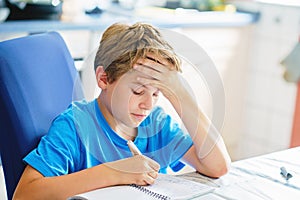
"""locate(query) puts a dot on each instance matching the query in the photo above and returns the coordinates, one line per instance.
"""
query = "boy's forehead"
(134, 83)
(130, 77)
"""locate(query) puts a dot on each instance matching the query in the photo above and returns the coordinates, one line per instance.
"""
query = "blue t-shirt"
(81, 138)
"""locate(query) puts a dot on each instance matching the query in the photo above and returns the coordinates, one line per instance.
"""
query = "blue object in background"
(38, 80)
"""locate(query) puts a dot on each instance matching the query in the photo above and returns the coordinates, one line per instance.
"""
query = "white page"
(165, 185)
(178, 188)
(114, 193)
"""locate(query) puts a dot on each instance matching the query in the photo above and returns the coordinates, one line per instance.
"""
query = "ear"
(101, 77)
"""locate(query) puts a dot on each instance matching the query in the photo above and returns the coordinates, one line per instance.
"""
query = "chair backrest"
(38, 80)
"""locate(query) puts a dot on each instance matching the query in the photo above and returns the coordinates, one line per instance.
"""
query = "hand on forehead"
(133, 77)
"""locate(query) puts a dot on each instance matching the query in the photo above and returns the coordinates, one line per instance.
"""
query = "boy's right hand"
(138, 169)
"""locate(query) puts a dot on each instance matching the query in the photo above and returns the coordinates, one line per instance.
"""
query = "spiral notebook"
(166, 187)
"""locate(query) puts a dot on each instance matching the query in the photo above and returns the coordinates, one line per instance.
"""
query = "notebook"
(166, 187)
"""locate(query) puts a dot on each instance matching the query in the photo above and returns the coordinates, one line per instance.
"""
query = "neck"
(127, 133)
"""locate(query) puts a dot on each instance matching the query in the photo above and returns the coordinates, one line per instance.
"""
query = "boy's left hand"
(162, 75)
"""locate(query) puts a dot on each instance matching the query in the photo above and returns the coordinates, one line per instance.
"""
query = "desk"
(256, 178)
(157, 17)
(79, 22)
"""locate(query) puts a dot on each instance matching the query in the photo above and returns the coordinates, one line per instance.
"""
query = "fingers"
(152, 63)
(153, 174)
(154, 58)
(148, 71)
(149, 164)
(151, 67)
(138, 169)
(153, 164)
(147, 179)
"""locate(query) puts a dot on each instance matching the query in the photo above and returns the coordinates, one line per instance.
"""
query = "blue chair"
(38, 80)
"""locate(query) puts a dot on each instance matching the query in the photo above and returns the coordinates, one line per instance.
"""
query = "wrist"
(107, 175)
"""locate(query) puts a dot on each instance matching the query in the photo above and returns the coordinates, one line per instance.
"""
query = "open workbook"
(166, 187)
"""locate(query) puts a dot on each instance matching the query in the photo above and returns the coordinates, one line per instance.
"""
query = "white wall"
(269, 102)
(259, 102)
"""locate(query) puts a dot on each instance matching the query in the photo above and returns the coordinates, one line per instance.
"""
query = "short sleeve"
(57, 151)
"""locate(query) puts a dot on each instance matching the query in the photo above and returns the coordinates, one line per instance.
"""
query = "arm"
(208, 155)
(137, 169)
(34, 185)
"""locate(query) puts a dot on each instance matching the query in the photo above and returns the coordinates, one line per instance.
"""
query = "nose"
(147, 102)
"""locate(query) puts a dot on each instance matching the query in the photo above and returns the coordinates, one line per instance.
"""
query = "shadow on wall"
(292, 65)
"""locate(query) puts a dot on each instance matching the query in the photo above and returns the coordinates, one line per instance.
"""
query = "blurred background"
(254, 45)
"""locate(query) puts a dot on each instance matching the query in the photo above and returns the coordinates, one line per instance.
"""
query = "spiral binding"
(151, 193)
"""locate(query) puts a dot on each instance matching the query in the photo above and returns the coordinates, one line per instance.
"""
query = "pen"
(285, 174)
(134, 150)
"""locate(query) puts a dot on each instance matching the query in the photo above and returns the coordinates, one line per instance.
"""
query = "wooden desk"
(257, 178)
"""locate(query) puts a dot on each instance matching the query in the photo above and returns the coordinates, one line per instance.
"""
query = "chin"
(134, 124)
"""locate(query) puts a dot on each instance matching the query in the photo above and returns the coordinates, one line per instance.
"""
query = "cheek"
(119, 101)
(133, 102)
(126, 100)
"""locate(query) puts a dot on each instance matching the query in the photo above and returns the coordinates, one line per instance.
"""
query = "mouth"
(139, 117)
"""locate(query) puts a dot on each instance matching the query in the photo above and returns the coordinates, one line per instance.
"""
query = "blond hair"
(122, 45)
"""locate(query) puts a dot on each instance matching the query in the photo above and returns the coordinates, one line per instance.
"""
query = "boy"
(86, 146)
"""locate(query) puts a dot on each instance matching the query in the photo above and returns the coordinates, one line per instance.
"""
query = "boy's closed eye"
(137, 92)
(142, 89)
(155, 94)
(137, 89)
